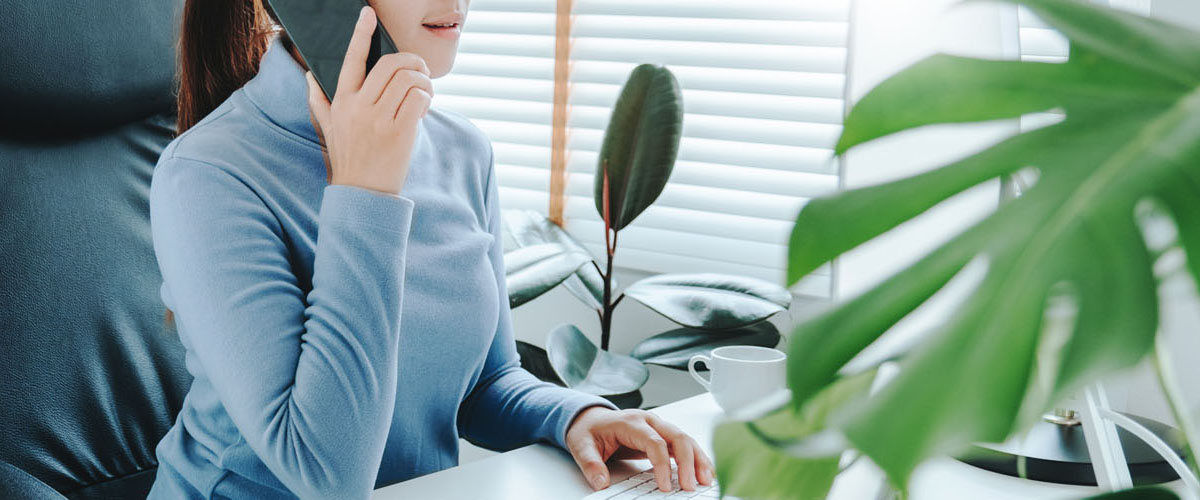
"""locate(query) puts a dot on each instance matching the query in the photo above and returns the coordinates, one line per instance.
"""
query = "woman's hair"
(221, 43)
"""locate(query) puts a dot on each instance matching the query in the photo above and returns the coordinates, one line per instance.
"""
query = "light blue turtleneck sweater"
(341, 339)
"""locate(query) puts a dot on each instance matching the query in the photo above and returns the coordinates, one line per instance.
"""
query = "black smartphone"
(321, 30)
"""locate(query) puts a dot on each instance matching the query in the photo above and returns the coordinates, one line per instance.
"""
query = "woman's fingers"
(638, 434)
(641, 436)
(703, 470)
(387, 69)
(704, 467)
(682, 448)
(354, 66)
(587, 456)
(407, 90)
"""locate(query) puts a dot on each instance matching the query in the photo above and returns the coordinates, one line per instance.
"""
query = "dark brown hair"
(221, 43)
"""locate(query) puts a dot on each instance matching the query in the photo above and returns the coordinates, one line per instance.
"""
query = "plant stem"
(609, 246)
(606, 322)
(1175, 401)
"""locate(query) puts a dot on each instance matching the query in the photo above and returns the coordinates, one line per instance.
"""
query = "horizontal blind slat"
(711, 54)
(725, 102)
(714, 200)
(769, 32)
(796, 83)
(682, 243)
(827, 10)
(791, 158)
(751, 180)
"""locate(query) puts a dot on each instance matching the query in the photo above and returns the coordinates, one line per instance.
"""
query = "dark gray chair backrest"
(90, 377)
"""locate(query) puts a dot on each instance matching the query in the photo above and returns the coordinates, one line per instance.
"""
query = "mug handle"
(692, 369)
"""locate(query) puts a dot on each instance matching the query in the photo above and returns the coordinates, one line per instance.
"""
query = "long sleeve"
(309, 380)
(509, 407)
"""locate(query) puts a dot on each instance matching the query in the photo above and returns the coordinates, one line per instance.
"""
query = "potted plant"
(636, 159)
(1124, 160)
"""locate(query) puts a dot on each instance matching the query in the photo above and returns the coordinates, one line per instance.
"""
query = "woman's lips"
(451, 31)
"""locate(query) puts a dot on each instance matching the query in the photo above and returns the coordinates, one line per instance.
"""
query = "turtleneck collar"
(280, 90)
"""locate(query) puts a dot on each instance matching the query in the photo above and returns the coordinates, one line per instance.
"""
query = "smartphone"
(321, 30)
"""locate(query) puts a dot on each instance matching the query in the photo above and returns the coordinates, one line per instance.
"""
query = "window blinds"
(763, 84)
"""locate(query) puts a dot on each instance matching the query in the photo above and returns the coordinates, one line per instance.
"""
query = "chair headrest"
(79, 65)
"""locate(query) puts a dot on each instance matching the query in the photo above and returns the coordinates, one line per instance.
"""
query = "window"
(763, 84)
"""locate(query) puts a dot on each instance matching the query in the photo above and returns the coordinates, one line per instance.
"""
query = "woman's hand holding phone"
(371, 125)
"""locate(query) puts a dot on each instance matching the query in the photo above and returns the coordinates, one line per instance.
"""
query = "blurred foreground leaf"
(1067, 290)
(752, 463)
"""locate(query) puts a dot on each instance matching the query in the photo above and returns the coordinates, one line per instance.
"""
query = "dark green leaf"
(534, 270)
(587, 368)
(530, 227)
(710, 301)
(640, 143)
(752, 464)
(535, 361)
(627, 400)
(674, 348)
(1139, 493)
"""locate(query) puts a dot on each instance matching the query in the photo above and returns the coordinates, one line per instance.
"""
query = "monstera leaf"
(640, 144)
(710, 301)
(587, 368)
(673, 349)
(530, 227)
(1068, 291)
(753, 459)
(534, 270)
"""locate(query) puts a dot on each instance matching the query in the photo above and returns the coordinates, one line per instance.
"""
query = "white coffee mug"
(741, 374)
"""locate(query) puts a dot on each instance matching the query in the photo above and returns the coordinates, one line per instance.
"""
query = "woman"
(335, 273)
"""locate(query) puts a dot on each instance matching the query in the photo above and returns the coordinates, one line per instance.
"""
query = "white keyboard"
(643, 486)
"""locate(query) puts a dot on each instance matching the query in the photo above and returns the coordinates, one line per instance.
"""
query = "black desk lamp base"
(1057, 453)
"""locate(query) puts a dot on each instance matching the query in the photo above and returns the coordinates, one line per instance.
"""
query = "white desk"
(542, 471)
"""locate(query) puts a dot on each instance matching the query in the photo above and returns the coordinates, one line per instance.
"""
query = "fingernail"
(598, 481)
(362, 14)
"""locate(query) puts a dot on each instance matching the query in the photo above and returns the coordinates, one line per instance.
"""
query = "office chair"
(90, 376)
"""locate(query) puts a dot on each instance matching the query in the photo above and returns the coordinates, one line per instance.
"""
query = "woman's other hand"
(371, 125)
(599, 433)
